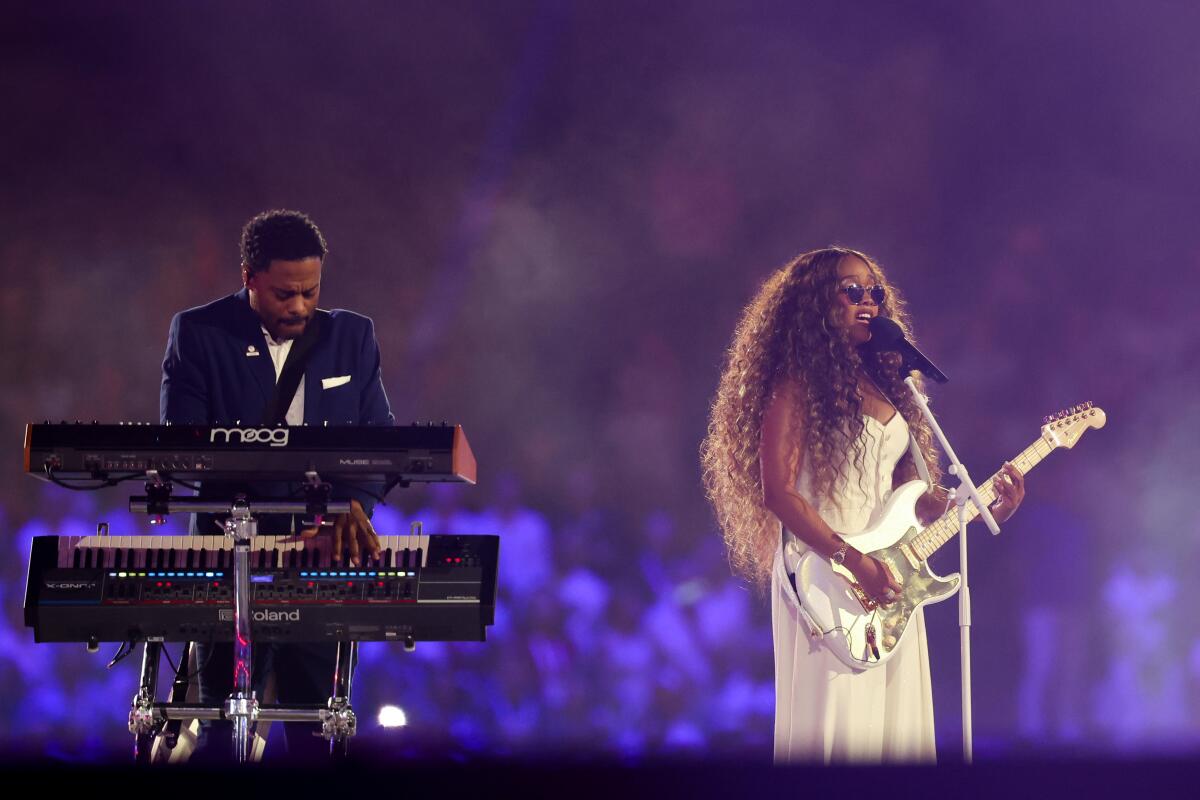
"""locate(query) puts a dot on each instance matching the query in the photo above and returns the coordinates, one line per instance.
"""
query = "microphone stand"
(965, 492)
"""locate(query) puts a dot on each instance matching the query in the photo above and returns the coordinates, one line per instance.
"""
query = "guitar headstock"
(1064, 428)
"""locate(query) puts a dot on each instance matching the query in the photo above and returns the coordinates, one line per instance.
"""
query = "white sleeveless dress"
(825, 710)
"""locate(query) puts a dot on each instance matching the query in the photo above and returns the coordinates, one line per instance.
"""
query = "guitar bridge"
(865, 600)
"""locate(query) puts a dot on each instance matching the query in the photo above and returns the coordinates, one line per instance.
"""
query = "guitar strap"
(814, 630)
(918, 458)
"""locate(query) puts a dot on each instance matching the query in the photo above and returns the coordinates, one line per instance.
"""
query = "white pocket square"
(329, 383)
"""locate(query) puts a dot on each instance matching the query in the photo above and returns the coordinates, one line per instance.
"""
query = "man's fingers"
(370, 538)
(309, 533)
(339, 526)
(352, 538)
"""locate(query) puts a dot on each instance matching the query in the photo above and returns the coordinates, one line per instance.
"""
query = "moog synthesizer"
(66, 452)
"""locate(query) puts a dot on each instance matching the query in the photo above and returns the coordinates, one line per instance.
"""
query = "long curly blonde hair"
(785, 338)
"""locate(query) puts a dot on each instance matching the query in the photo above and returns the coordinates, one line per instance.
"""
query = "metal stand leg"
(338, 722)
(242, 706)
(178, 694)
(142, 719)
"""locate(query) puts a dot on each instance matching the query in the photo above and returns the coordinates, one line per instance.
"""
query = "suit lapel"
(249, 329)
(320, 362)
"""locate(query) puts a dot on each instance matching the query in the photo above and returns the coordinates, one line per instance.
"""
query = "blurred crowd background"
(554, 213)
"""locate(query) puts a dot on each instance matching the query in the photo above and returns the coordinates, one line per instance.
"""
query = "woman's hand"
(1010, 488)
(876, 580)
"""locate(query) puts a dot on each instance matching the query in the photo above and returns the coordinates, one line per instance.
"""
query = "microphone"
(886, 337)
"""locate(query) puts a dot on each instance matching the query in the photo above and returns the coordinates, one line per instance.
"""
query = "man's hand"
(353, 530)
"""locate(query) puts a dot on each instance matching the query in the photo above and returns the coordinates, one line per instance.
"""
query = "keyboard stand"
(147, 718)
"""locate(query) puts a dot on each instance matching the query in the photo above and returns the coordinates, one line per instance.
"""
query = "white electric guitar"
(865, 634)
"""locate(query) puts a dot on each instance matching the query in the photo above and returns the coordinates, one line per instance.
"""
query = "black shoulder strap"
(293, 371)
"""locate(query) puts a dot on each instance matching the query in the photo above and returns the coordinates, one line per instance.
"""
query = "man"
(223, 366)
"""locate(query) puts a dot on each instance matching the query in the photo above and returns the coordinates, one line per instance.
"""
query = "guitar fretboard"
(928, 541)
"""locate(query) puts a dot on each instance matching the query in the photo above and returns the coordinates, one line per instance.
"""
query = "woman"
(811, 430)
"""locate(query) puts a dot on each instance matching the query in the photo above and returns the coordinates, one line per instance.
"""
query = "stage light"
(392, 717)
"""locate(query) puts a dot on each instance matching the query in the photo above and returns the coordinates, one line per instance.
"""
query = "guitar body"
(859, 632)
(852, 625)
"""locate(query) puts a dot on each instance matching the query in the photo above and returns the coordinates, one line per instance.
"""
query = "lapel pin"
(251, 350)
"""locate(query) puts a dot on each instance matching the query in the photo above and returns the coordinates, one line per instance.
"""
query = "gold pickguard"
(920, 587)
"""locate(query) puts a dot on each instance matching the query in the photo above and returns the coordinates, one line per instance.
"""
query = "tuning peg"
(1046, 420)
(1088, 404)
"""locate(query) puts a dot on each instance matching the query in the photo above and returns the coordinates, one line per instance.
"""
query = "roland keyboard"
(180, 588)
(384, 453)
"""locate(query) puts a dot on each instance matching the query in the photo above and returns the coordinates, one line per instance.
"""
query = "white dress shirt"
(279, 353)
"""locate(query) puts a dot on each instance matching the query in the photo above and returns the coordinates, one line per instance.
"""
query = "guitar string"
(939, 531)
(945, 527)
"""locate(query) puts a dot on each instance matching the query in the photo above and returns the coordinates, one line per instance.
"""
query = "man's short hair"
(280, 234)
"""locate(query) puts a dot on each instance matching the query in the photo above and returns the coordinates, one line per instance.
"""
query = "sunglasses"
(856, 293)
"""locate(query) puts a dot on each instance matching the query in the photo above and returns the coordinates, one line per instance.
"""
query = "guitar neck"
(928, 541)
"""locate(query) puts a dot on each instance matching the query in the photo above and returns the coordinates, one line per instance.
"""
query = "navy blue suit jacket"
(217, 371)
